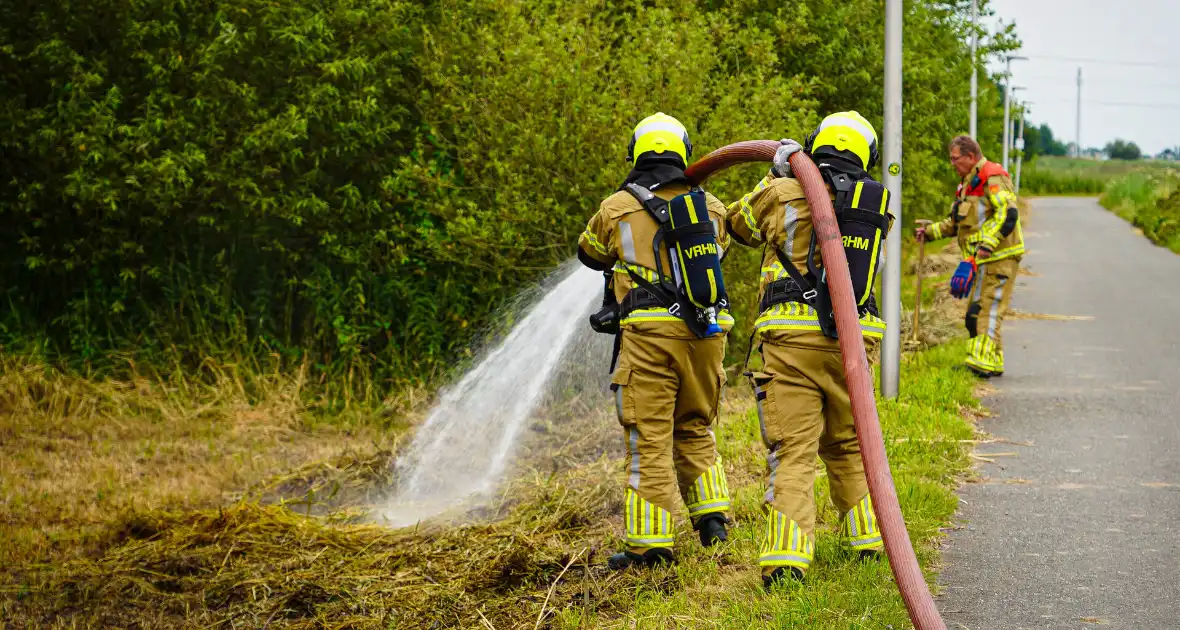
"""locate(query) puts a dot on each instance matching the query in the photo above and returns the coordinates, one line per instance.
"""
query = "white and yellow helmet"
(659, 133)
(845, 135)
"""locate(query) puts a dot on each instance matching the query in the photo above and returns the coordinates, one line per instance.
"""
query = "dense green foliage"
(1149, 199)
(202, 177)
(360, 183)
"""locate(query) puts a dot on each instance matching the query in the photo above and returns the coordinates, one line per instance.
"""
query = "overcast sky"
(1132, 100)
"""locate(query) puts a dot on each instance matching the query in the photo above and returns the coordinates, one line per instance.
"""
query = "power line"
(1039, 78)
(1039, 100)
(1115, 62)
(1128, 104)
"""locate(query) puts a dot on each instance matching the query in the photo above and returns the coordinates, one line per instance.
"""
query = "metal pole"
(1078, 132)
(891, 291)
(1020, 146)
(1007, 105)
(974, 129)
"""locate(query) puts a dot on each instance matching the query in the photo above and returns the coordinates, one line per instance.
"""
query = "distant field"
(1078, 176)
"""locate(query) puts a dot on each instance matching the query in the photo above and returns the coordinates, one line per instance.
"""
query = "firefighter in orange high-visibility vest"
(986, 221)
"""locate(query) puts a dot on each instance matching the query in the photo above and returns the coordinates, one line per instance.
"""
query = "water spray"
(902, 560)
(465, 446)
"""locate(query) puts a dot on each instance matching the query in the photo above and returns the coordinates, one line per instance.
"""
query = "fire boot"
(711, 528)
(782, 575)
(650, 558)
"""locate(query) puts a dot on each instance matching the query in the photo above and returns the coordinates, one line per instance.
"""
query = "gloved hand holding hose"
(781, 165)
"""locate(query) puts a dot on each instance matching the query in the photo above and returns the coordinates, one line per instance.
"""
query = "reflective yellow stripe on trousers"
(710, 492)
(784, 544)
(860, 528)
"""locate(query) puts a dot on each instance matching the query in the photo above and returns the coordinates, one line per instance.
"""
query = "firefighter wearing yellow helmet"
(986, 222)
(659, 242)
(802, 395)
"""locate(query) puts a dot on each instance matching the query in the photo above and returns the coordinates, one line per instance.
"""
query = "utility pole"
(1011, 146)
(1078, 131)
(1020, 145)
(1008, 104)
(974, 128)
(891, 291)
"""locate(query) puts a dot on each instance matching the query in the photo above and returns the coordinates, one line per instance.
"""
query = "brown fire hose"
(902, 560)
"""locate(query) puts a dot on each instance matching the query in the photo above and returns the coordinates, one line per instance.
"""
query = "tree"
(1045, 143)
(1120, 149)
(361, 183)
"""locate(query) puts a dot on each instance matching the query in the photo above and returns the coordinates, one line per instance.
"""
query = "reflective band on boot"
(784, 544)
(859, 527)
(709, 493)
(648, 525)
(983, 354)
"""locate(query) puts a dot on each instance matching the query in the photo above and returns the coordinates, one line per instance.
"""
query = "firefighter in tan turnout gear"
(986, 221)
(802, 394)
(659, 242)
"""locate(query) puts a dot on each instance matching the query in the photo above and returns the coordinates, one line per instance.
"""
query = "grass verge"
(160, 503)
(537, 560)
(1150, 200)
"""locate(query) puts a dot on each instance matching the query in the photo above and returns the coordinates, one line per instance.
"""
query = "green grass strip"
(925, 432)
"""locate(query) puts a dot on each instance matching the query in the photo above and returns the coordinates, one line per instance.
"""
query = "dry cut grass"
(79, 454)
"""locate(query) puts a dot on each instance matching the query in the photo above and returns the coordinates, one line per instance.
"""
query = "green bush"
(213, 176)
(361, 183)
(1150, 200)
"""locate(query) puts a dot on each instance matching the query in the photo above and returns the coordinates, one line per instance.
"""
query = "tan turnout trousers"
(804, 410)
(985, 314)
(666, 394)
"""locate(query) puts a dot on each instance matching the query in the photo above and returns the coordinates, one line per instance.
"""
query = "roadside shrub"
(1150, 200)
(359, 184)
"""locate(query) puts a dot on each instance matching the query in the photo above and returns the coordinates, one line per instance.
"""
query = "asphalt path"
(1080, 529)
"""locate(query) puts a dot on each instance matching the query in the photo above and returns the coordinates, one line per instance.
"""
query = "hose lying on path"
(902, 560)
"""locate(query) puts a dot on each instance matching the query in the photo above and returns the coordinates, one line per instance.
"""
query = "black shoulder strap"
(658, 209)
(655, 206)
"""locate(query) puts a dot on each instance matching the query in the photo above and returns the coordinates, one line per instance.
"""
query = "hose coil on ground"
(902, 560)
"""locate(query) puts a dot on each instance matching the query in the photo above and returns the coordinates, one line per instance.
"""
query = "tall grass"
(1051, 182)
(79, 453)
(1150, 200)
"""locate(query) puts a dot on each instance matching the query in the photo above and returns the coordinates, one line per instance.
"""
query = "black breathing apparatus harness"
(861, 212)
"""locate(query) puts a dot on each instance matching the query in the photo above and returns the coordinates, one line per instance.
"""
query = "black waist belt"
(785, 290)
(636, 299)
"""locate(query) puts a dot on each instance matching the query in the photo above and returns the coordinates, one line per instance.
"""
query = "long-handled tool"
(918, 272)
